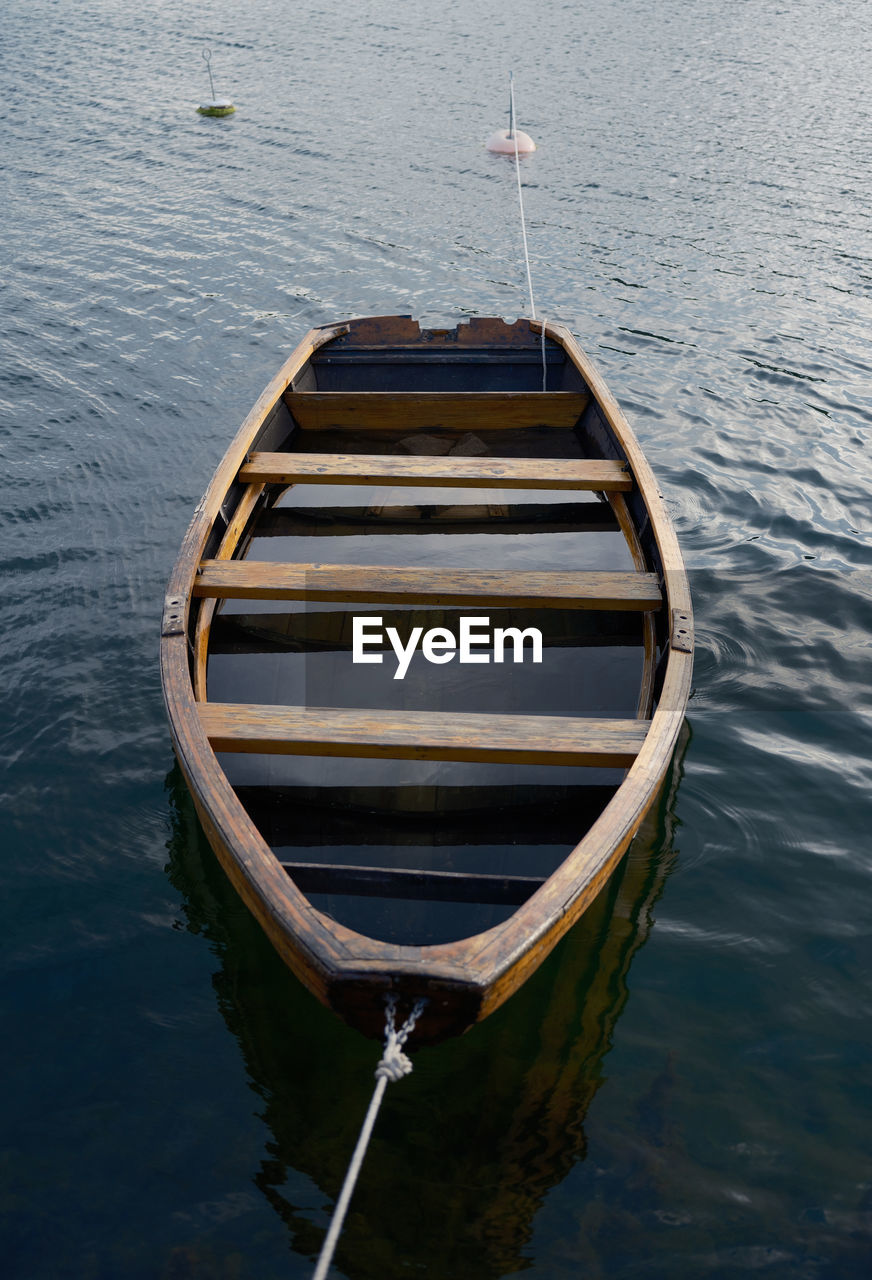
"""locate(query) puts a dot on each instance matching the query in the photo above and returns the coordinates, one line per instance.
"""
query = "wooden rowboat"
(387, 712)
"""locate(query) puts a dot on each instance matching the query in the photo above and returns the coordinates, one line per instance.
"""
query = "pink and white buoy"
(503, 142)
(511, 141)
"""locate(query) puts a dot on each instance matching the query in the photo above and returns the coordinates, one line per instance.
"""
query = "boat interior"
(408, 471)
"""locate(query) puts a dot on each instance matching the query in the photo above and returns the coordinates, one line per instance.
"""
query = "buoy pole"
(207, 58)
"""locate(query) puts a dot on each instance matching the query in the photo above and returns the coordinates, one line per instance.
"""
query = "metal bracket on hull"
(681, 637)
(173, 623)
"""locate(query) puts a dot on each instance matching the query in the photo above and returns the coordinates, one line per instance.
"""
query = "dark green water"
(684, 1090)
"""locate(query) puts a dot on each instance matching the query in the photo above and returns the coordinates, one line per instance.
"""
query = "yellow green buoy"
(221, 107)
(217, 106)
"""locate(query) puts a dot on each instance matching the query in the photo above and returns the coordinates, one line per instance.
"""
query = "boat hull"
(462, 979)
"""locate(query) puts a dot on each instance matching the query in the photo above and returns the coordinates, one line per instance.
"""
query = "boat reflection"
(468, 1146)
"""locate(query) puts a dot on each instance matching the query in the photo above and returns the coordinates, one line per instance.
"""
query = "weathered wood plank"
(455, 472)
(393, 882)
(488, 332)
(370, 584)
(410, 355)
(247, 504)
(509, 517)
(472, 411)
(416, 735)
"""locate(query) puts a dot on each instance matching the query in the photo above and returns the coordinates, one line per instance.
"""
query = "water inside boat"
(515, 821)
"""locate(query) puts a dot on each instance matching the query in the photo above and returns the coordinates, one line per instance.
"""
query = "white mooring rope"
(514, 125)
(393, 1066)
(513, 128)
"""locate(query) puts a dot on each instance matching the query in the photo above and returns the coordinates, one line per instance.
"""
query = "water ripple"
(699, 215)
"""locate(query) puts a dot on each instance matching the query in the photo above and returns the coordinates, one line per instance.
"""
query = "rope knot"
(394, 1065)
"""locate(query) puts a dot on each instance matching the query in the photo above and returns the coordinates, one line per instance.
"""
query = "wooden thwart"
(411, 411)
(416, 735)
(456, 472)
(394, 882)
(508, 516)
(370, 584)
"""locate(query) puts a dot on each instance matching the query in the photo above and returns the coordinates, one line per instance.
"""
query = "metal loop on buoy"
(207, 58)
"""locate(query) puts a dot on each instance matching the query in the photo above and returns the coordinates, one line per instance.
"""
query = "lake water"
(684, 1089)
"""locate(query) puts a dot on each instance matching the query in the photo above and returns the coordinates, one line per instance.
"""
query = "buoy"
(503, 142)
(217, 106)
(220, 107)
(511, 141)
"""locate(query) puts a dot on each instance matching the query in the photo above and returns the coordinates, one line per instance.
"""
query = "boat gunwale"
(478, 972)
